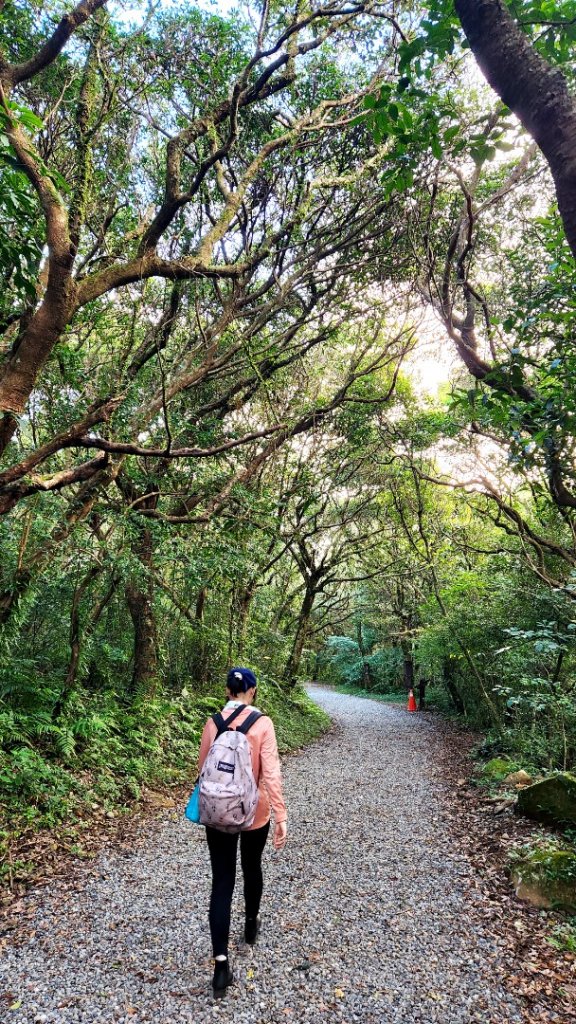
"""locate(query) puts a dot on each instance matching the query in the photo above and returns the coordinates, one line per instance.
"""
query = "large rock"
(552, 801)
(518, 779)
(546, 878)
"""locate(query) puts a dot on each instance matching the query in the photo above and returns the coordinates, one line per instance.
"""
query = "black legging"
(223, 847)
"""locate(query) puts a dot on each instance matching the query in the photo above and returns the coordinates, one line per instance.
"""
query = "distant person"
(422, 694)
(223, 845)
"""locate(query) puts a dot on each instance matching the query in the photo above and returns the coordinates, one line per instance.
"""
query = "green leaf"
(451, 133)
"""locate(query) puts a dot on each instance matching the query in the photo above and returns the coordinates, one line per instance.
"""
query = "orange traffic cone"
(412, 701)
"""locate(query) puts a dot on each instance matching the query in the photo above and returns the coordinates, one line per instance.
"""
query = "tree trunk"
(281, 610)
(198, 666)
(422, 694)
(139, 597)
(408, 671)
(200, 604)
(450, 684)
(245, 598)
(534, 90)
(19, 371)
(303, 622)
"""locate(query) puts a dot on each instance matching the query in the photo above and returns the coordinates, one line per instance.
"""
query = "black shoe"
(222, 978)
(251, 929)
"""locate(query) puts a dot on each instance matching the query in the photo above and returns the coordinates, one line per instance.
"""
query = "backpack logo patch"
(223, 766)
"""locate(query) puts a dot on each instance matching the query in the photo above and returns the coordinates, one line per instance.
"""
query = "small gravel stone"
(367, 914)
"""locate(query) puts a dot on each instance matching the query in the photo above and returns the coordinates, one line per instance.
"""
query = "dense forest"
(287, 375)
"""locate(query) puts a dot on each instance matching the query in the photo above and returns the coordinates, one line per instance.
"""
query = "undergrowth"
(563, 936)
(99, 754)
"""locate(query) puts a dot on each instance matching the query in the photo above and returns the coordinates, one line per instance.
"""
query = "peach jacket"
(265, 762)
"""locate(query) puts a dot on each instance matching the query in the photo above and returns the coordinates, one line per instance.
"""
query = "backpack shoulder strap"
(222, 724)
(252, 718)
(219, 723)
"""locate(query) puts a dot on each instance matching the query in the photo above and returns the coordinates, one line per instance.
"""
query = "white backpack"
(228, 789)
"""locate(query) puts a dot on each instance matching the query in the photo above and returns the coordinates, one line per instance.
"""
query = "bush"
(343, 665)
(115, 750)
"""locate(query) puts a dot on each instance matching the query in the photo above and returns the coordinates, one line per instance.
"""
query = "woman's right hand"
(280, 835)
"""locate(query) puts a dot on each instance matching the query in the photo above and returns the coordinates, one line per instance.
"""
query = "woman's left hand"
(280, 835)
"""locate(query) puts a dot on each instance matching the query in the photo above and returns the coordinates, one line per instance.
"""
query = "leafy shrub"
(344, 665)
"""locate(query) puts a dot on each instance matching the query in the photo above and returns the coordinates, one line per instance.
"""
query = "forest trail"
(369, 914)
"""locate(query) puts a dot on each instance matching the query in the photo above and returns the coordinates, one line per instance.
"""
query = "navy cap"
(239, 680)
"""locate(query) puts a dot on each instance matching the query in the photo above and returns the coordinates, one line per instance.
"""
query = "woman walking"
(223, 846)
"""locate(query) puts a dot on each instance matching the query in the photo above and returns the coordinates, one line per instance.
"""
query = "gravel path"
(368, 914)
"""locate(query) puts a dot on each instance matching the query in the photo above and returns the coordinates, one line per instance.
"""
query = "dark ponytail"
(240, 680)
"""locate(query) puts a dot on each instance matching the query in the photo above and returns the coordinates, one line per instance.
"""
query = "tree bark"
(245, 598)
(453, 692)
(140, 600)
(199, 665)
(408, 670)
(74, 639)
(534, 90)
(407, 649)
(19, 373)
(293, 663)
